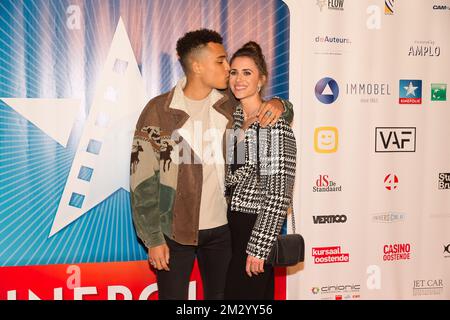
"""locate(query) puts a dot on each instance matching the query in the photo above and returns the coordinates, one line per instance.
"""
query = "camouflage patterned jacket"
(165, 188)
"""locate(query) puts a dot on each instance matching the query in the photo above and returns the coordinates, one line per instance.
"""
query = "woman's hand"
(254, 266)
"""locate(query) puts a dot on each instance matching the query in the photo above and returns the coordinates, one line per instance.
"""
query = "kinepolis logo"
(322, 219)
(395, 139)
(329, 255)
(428, 287)
(388, 217)
(410, 92)
(444, 181)
(397, 251)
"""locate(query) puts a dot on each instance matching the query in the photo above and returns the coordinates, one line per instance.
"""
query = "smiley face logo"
(326, 139)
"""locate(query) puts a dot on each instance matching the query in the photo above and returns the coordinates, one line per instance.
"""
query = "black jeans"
(213, 254)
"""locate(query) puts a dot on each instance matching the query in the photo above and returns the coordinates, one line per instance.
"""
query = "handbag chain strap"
(258, 174)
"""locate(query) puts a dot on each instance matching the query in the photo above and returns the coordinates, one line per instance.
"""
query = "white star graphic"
(410, 89)
(101, 164)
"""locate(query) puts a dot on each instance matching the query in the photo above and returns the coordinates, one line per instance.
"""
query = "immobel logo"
(395, 139)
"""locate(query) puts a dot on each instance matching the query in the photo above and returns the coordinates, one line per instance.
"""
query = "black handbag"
(288, 249)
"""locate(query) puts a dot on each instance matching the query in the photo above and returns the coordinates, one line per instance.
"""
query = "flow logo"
(327, 90)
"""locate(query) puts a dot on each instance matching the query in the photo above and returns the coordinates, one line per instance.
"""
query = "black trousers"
(239, 286)
(213, 253)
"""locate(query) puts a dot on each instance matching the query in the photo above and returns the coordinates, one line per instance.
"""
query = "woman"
(260, 178)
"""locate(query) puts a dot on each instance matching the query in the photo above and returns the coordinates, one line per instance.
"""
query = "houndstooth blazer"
(264, 184)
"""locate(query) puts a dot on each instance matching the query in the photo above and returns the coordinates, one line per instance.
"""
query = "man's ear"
(196, 66)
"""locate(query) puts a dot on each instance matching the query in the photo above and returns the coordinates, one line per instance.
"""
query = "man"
(179, 210)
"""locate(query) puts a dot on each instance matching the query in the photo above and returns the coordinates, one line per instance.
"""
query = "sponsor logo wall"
(372, 191)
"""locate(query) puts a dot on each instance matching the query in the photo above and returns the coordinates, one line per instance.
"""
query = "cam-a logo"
(410, 92)
(325, 184)
(395, 139)
(332, 254)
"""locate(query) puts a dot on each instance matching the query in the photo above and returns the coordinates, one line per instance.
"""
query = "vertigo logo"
(327, 90)
(323, 255)
(330, 219)
(397, 251)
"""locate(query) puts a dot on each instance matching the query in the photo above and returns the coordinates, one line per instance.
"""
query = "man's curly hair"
(194, 40)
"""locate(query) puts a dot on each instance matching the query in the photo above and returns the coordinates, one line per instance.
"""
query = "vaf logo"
(395, 139)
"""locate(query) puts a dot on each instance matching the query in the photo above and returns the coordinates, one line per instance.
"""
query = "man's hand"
(254, 266)
(158, 257)
(270, 112)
